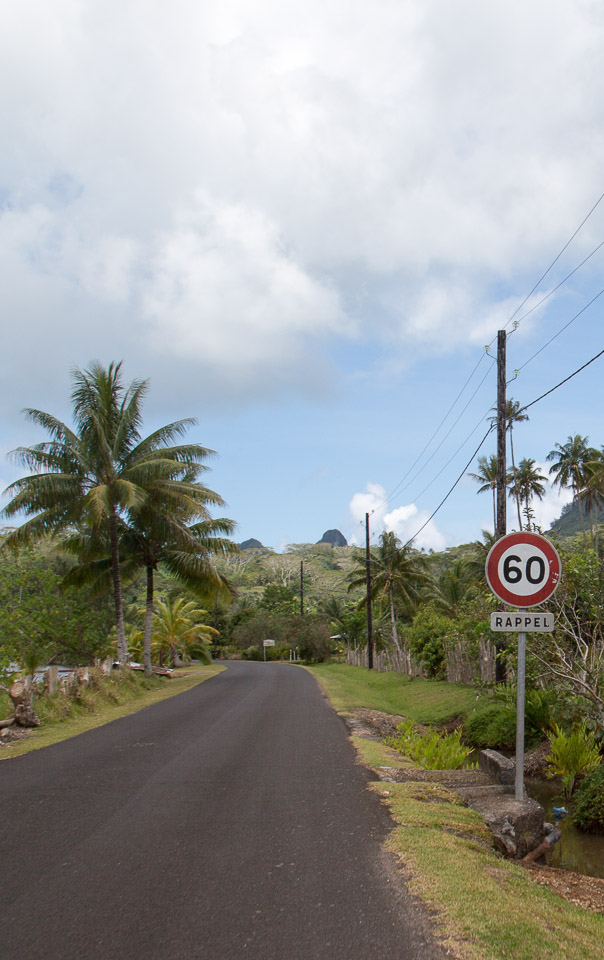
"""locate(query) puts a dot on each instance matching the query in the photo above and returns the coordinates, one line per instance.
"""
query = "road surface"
(230, 821)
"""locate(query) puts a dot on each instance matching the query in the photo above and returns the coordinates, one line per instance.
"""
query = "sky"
(304, 222)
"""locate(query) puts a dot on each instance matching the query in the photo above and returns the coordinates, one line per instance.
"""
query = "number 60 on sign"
(523, 569)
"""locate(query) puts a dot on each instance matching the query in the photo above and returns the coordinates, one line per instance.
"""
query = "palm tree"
(487, 477)
(178, 630)
(593, 491)
(398, 575)
(513, 414)
(569, 466)
(185, 551)
(453, 584)
(87, 478)
(528, 485)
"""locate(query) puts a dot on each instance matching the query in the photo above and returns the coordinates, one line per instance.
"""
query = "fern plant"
(431, 750)
(573, 755)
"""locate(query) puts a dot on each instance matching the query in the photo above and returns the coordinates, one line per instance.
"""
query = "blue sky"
(303, 222)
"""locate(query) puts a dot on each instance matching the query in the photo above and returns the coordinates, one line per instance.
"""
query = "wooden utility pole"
(501, 526)
(301, 588)
(501, 436)
(369, 621)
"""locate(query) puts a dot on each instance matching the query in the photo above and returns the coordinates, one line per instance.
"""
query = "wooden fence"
(460, 667)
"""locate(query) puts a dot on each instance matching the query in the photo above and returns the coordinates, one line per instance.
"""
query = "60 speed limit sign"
(523, 569)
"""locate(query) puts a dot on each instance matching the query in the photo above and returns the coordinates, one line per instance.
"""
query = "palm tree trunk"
(122, 645)
(494, 510)
(577, 492)
(148, 624)
(175, 656)
(515, 481)
(397, 646)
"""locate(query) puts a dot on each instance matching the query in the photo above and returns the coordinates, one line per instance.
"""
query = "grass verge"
(425, 701)
(484, 907)
(116, 698)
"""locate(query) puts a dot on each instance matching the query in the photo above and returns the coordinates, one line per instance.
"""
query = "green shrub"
(426, 639)
(431, 750)
(573, 755)
(492, 726)
(589, 804)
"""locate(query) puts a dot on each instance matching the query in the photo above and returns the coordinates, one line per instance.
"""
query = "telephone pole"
(301, 588)
(501, 528)
(369, 622)
(501, 436)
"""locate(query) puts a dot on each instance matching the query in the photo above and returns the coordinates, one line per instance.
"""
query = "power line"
(397, 487)
(386, 500)
(562, 382)
(555, 260)
(452, 457)
(444, 419)
(451, 489)
(521, 410)
(447, 435)
(561, 330)
(511, 318)
(558, 285)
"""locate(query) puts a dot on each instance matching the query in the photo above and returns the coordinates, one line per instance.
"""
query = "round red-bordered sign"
(523, 569)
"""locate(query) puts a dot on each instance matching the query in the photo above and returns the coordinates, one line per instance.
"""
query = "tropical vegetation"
(101, 503)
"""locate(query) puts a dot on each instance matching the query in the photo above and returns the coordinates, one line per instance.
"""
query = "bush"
(493, 724)
(426, 639)
(431, 750)
(589, 805)
(573, 755)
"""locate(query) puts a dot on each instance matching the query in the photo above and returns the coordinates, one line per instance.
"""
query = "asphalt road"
(230, 821)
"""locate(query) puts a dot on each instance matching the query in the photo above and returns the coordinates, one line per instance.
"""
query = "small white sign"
(522, 622)
(269, 643)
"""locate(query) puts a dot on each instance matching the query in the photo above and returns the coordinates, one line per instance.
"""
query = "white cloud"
(225, 290)
(404, 521)
(216, 182)
(550, 508)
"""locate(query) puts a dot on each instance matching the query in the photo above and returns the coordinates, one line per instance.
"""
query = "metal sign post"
(523, 569)
(520, 706)
(267, 643)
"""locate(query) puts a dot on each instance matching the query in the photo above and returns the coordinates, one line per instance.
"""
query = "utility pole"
(501, 436)
(301, 588)
(501, 527)
(369, 622)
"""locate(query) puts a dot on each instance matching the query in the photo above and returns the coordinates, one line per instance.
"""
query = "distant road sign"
(269, 643)
(522, 622)
(523, 569)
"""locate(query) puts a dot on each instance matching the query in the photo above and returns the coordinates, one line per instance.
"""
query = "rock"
(334, 538)
(497, 766)
(251, 544)
(517, 827)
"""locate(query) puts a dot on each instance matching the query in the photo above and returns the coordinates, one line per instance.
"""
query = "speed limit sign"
(523, 569)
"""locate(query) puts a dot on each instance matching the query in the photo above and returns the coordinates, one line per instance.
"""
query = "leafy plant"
(589, 804)
(492, 725)
(431, 750)
(426, 639)
(573, 755)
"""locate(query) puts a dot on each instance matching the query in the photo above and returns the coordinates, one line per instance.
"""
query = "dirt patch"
(586, 892)
(534, 760)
